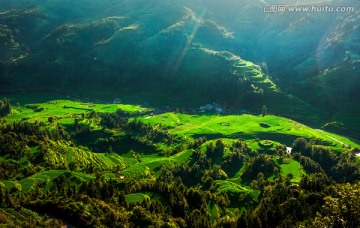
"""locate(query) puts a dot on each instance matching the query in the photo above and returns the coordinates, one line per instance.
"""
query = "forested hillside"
(185, 49)
(86, 164)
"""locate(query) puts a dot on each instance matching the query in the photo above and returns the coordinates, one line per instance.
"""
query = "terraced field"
(63, 153)
(44, 178)
(277, 101)
(39, 107)
(274, 130)
(244, 127)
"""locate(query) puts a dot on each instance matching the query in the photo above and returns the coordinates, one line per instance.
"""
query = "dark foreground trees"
(5, 108)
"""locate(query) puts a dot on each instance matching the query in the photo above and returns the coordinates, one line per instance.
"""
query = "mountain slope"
(184, 50)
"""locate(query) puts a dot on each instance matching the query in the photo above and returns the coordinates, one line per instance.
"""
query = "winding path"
(335, 139)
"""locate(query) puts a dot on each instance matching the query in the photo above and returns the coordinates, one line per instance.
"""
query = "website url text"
(307, 9)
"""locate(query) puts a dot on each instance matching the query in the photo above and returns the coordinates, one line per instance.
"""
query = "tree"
(5, 108)
(140, 217)
(76, 123)
(50, 119)
(342, 209)
(2, 195)
(300, 146)
(219, 147)
(73, 166)
(264, 110)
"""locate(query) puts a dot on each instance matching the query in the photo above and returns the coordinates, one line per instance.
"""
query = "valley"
(126, 144)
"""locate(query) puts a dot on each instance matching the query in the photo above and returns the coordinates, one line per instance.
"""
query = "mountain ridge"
(157, 44)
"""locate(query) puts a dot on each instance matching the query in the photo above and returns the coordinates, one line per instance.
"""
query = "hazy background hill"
(185, 49)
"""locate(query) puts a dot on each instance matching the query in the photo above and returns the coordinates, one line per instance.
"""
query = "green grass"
(151, 163)
(57, 106)
(154, 161)
(213, 209)
(290, 166)
(136, 170)
(8, 184)
(234, 191)
(277, 101)
(157, 197)
(230, 187)
(136, 197)
(244, 127)
(64, 153)
(46, 177)
(266, 143)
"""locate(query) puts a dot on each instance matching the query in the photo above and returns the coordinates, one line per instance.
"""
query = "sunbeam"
(191, 37)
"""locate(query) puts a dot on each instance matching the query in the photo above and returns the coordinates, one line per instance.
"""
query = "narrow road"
(336, 140)
(346, 145)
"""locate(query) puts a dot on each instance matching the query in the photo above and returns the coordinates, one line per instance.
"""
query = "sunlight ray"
(188, 44)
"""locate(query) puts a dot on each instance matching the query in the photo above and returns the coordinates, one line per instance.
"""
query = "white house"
(218, 110)
(117, 101)
(207, 107)
(288, 150)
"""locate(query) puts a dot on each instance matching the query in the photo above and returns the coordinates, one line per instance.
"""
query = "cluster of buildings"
(212, 107)
(117, 101)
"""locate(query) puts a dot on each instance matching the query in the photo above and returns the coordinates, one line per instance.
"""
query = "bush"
(34, 107)
(5, 108)
(266, 143)
(264, 125)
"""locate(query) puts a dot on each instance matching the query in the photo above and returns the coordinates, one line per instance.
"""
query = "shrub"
(265, 125)
(266, 143)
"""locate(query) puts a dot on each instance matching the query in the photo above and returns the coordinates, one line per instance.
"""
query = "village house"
(117, 101)
(211, 107)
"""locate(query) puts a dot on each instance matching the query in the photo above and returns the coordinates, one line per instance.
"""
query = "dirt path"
(346, 145)
(335, 139)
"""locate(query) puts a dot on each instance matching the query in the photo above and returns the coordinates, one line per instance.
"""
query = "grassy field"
(45, 178)
(63, 153)
(136, 197)
(244, 127)
(238, 194)
(155, 161)
(140, 196)
(150, 164)
(290, 166)
(38, 107)
(277, 101)
(259, 132)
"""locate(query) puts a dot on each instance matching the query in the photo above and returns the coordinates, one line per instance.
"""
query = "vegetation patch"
(266, 143)
(291, 168)
(224, 124)
(5, 108)
(34, 107)
(264, 125)
(136, 197)
(175, 162)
